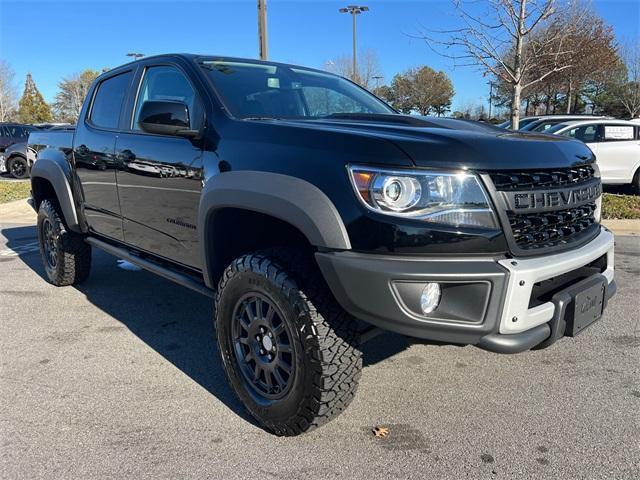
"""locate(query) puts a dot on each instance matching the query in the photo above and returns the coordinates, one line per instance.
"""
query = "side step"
(174, 276)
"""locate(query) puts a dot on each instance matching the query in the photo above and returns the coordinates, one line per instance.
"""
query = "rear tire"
(65, 255)
(18, 167)
(288, 349)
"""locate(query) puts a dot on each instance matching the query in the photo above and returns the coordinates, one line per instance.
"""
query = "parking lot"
(120, 377)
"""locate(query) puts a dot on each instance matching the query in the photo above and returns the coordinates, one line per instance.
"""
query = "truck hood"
(450, 143)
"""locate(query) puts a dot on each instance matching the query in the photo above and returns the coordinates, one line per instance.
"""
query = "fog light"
(430, 297)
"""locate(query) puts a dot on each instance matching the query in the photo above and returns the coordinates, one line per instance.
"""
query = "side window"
(617, 133)
(168, 83)
(585, 133)
(323, 101)
(107, 102)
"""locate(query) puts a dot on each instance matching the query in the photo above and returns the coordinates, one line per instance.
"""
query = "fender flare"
(290, 199)
(51, 170)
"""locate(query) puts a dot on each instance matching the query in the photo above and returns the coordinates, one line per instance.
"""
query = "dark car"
(11, 134)
(315, 216)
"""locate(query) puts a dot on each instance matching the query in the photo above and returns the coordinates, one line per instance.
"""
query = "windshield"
(259, 90)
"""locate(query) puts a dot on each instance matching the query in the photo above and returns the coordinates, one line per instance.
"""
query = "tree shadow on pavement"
(173, 320)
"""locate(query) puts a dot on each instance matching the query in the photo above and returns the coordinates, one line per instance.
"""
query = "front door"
(93, 153)
(160, 177)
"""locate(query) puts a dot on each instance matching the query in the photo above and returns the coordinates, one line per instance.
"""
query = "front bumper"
(488, 302)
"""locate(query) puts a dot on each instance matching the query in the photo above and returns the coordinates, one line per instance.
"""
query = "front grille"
(539, 230)
(529, 180)
(535, 231)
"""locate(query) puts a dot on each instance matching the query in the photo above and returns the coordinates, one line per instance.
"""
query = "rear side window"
(107, 102)
(617, 133)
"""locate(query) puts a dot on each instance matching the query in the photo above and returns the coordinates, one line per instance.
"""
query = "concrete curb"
(623, 227)
(20, 212)
(17, 212)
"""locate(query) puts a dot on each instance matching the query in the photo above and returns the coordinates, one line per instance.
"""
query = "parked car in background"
(616, 144)
(11, 133)
(18, 159)
(543, 124)
(523, 122)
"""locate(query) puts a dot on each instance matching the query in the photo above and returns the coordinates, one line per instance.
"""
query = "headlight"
(455, 199)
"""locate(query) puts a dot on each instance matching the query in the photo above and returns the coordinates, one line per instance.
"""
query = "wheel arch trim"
(51, 170)
(290, 199)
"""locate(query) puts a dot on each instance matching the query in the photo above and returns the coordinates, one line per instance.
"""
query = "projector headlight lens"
(455, 199)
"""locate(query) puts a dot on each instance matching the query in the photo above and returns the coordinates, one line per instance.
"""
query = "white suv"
(616, 144)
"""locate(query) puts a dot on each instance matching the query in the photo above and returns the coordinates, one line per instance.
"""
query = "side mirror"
(164, 117)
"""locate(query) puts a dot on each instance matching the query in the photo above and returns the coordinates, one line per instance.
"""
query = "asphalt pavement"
(119, 378)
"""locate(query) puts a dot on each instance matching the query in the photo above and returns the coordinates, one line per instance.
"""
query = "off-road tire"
(328, 361)
(70, 261)
(18, 167)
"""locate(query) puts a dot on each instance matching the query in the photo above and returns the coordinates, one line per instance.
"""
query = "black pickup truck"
(315, 215)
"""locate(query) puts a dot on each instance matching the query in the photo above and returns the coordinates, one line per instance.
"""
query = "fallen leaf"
(380, 432)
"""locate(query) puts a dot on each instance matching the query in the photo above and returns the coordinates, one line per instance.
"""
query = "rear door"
(160, 176)
(618, 152)
(93, 152)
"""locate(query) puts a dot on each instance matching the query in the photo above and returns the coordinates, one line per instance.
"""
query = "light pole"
(354, 10)
(135, 56)
(262, 28)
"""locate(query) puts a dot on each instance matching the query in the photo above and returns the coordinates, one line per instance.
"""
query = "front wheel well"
(232, 232)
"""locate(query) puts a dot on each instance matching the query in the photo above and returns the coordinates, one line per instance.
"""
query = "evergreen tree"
(32, 108)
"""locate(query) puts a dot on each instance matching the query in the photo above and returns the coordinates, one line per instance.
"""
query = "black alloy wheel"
(49, 244)
(263, 347)
(18, 167)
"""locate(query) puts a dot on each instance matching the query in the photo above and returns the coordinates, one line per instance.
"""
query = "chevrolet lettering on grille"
(548, 200)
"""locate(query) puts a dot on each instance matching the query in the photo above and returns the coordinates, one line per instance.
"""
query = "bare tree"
(630, 91)
(70, 98)
(8, 92)
(521, 42)
(368, 68)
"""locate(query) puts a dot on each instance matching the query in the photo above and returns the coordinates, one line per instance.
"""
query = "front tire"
(288, 349)
(65, 255)
(18, 167)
